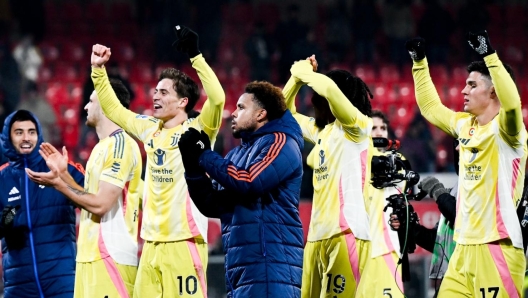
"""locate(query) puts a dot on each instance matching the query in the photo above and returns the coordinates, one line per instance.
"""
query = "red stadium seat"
(389, 73)
(49, 51)
(365, 72)
(73, 52)
(66, 72)
(439, 73)
(141, 73)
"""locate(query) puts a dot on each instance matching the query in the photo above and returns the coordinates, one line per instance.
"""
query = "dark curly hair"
(121, 92)
(357, 92)
(183, 85)
(480, 66)
(379, 114)
(267, 97)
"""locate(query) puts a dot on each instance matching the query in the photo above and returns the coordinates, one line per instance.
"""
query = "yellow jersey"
(492, 162)
(116, 159)
(168, 212)
(340, 158)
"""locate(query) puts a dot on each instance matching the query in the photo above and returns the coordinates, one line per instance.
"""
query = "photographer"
(381, 270)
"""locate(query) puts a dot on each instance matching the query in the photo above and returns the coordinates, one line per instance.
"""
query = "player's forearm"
(340, 106)
(76, 193)
(427, 97)
(108, 100)
(214, 106)
(290, 91)
(511, 119)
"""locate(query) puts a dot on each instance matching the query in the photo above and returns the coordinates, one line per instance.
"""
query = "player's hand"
(192, 144)
(479, 41)
(300, 67)
(433, 187)
(313, 62)
(54, 159)
(416, 48)
(394, 222)
(100, 55)
(186, 41)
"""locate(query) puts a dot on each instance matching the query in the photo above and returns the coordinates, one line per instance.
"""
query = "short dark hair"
(379, 114)
(357, 92)
(480, 66)
(23, 115)
(267, 97)
(121, 92)
(183, 85)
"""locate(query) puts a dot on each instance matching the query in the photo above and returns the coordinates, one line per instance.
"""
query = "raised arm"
(427, 97)
(213, 108)
(340, 106)
(109, 102)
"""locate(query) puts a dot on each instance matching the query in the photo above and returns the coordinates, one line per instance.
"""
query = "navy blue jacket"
(256, 196)
(43, 264)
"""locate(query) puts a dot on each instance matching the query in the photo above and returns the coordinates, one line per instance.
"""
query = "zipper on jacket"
(32, 245)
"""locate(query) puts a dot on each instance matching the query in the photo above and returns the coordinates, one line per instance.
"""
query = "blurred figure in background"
(34, 102)
(259, 49)
(29, 60)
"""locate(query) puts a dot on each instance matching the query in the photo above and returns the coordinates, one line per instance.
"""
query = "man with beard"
(255, 192)
(107, 259)
(38, 223)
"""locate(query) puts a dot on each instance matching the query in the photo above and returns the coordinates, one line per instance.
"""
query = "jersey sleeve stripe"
(256, 169)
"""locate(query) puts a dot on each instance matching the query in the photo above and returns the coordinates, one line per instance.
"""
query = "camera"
(389, 169)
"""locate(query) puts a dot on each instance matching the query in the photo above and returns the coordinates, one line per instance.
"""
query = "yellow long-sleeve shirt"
(168, 212)
(340, 158)
(492, 157)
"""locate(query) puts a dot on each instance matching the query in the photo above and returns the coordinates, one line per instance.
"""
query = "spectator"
(418, 145)
(29, 60)
(259, 50)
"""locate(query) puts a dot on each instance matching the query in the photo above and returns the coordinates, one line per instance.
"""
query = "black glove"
(186, 41)
(416, 48)
(8, 216)
(192, 144)
(15, 237)
(433, 187)
(479, 41)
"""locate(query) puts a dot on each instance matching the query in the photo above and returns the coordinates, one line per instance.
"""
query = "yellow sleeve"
(137, 125)
(213, 108)
(290, 91)
(429, 101)
(119, 162)
(340, 106)
(307, 124)
(510, 115)
(354, 122)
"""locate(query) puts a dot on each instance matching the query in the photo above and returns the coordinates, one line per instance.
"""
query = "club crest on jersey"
(471, 131)
(159, 157)
(321, 157)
